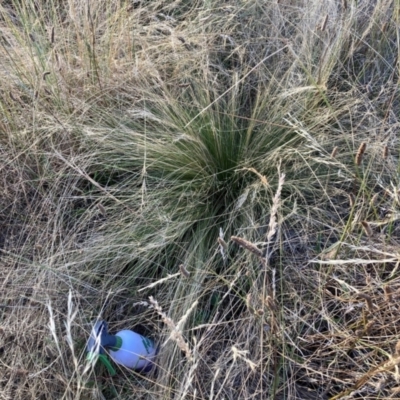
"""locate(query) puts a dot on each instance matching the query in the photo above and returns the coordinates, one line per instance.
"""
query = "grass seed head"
(388, 294)
(247, 245)
(176, 332)
(368, 301)
(273, 224)
(222, 243)
(184, 271)
(102, 209)
(385, 152)
(270, 303)
(367, 228)
(360, 153)
(373, 199)
(351, 200)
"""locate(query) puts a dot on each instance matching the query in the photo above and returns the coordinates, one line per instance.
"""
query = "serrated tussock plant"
(137, 137)
(190, 158)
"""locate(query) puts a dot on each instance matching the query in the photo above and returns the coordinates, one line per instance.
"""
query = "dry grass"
(136, 137)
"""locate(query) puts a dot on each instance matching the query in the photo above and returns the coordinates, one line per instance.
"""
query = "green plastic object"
(103, 359)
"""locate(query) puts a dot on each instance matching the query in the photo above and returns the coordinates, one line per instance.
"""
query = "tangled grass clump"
(233, 163)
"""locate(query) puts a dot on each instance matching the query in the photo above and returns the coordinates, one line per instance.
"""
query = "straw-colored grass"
(137, 137)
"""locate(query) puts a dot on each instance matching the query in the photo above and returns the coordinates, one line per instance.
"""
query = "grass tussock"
(137, 137)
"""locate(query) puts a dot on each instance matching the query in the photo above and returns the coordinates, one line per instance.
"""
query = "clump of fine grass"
(133, 134)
